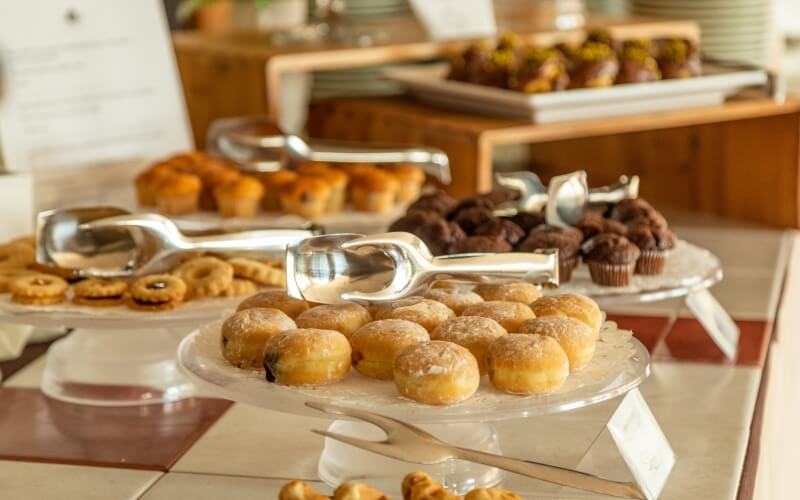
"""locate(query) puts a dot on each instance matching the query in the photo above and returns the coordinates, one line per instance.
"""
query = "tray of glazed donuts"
(618, 249)
(455, 353)
(601, 76)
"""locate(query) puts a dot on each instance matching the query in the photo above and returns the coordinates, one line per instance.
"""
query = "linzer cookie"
(9, 275)
(157, 292)
(263, 273)
(205, 276)
(38, 289)
(100, 292)
(239, 288)
(16, 256)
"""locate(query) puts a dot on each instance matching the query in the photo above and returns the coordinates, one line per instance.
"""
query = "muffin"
(440, 235)
(540, 70)
(240, 197)
(501, 228)
(307, 197)
(213, 174)
(374, 191)
(410, 179)
(336, 179)
(635, 210)
(527, 220)
(147, 181)
(481, 244)
(593, 223)
(438, 202)
(655, 242)
(566, 239)
(611, 259)
(594, 65)
(178, 194)
(274, 184)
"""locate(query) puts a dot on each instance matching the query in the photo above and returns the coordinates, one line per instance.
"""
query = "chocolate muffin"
(527, 220)
(439, 202)
(501, 228)
(630, 209)
(679, 58)
(468, 203)
(540, 70)
(469, 219)
(412, 220)
(567, 240)
(655, 242)
(593, 223)
(593, 65)
(439, 235)
(480, 244)
(611, 259)
(637, 65)
(500, 195)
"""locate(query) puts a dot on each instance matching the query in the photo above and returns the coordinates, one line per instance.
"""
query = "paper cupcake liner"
(565, 268)
(651, 262)
(611, 274)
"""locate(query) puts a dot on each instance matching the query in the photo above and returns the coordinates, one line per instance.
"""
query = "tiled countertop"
(208, 450)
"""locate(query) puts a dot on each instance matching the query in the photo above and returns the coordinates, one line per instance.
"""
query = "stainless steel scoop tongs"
(343, 267)
(411, 444)
(111, 242)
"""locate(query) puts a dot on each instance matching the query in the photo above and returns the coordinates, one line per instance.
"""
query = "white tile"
(29, 481)
(176, 485)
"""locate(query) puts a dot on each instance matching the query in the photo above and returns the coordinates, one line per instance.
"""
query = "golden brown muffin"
(436, 372)
(178, 194)
(274, 184)
(239, 197)
(473, 332)
(276, 299)
(307, 356)
(376, 345)
(527, 364)
(455, 299)
(510, 315)
(573, 305)
(147, 181)
(374, 191)
(520, 291)
(344, 318)
(307, 197)
(574, 336)
(336, 179)
(410, 179)
(425, 312)
(214, 174)
(245, 334)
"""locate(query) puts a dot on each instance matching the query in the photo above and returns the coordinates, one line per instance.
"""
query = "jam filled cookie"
(527, 364)
(436, 372)
(16, 256)
(307, 356)
(376, 345)
(9, 275)
(245, 334)
(344, 318)
(426, 312)
(157, 292)
(240, 288)
(263, 273)
(574, 336)
(100, 292)
(510, 315)
(572, 305)
(520, 291)
(276, 299)
(473, 332)
(38, 289)
(205, 276)
(455, 299)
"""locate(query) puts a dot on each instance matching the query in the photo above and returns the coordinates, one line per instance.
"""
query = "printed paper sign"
(446, 19)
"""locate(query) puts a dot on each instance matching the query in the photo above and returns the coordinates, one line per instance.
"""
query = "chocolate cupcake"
(501, 228)
(540, 70)
(655, 242)
(468, 203)
(500, 195)
(593, 223)
(566, 239)
(439, 202)
(611, 259)
(413, 220)
(527, 220)
(470, 218)
(439, 235)
(481, 244)
(637, 65)
(679, 58)
(630, 209)
(594, 65)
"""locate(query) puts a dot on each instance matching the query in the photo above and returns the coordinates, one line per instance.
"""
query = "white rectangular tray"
(429, 84)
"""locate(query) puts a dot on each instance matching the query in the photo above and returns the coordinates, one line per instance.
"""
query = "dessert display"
(600, 61)
(192, 182)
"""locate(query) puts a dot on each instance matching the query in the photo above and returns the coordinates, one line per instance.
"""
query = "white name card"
(87, 82)
(716, 321)
(447, 19)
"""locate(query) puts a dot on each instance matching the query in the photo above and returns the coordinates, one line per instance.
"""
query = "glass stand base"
(115, 368)
(340, 463)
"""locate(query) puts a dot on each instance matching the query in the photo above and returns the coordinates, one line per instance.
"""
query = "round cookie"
(16, 256)
(510, 315)
(573, 305)
(436, 372)
(263, 273)
(9, 275)
(306, 356)
(473, 332)
(426, 312)
(205, 276)
(100, 292)
(376, 345)
(455, 299)
(156, 292)
(276, 299)
(38, 289)
(239, 288)
(245, 333)
(574, 336)
(518, 291)
(344, 318)
(527, 364)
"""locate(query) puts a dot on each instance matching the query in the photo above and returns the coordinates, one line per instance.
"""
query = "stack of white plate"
(370, 8)
(354, 82)
(732, 30)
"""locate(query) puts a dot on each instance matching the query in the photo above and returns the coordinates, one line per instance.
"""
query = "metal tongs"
(338, 268)
(565, 198)
(258, 145)
(111, 242)
(411, 444)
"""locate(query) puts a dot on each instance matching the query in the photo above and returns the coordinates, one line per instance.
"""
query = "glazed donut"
(245, 333)
(510, 315)
(518, 291)
(527, 364)
(455, 299)
(426, 312)
(376, 345)
(573, 305)
(575, 337)
(344, 318)
(306, 356)
(276, 299)
(436, 372)
(205, 276)
(473, 332)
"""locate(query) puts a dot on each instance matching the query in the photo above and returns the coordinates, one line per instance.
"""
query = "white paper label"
(642, 444)
(446, 19)
(715, 320)
(87, 82)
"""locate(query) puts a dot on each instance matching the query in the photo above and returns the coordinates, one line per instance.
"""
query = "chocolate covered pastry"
(540, 70)
(498, 70)
(595, 65)
(465, 67)
(637, 65)
(679, 58)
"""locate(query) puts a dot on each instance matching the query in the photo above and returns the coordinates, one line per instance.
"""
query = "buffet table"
(716, 414)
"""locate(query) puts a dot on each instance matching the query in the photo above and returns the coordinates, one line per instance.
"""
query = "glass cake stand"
(621, 363)
(115, 356)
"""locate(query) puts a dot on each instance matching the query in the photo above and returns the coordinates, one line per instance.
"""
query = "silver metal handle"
(553, 474)
(540, 267)
(272, 241)
(624, 189)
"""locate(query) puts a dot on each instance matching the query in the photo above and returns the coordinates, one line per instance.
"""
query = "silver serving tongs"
(343, 267)
(111, 242)
(411, 444)
(258, 145)
(570, 191)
